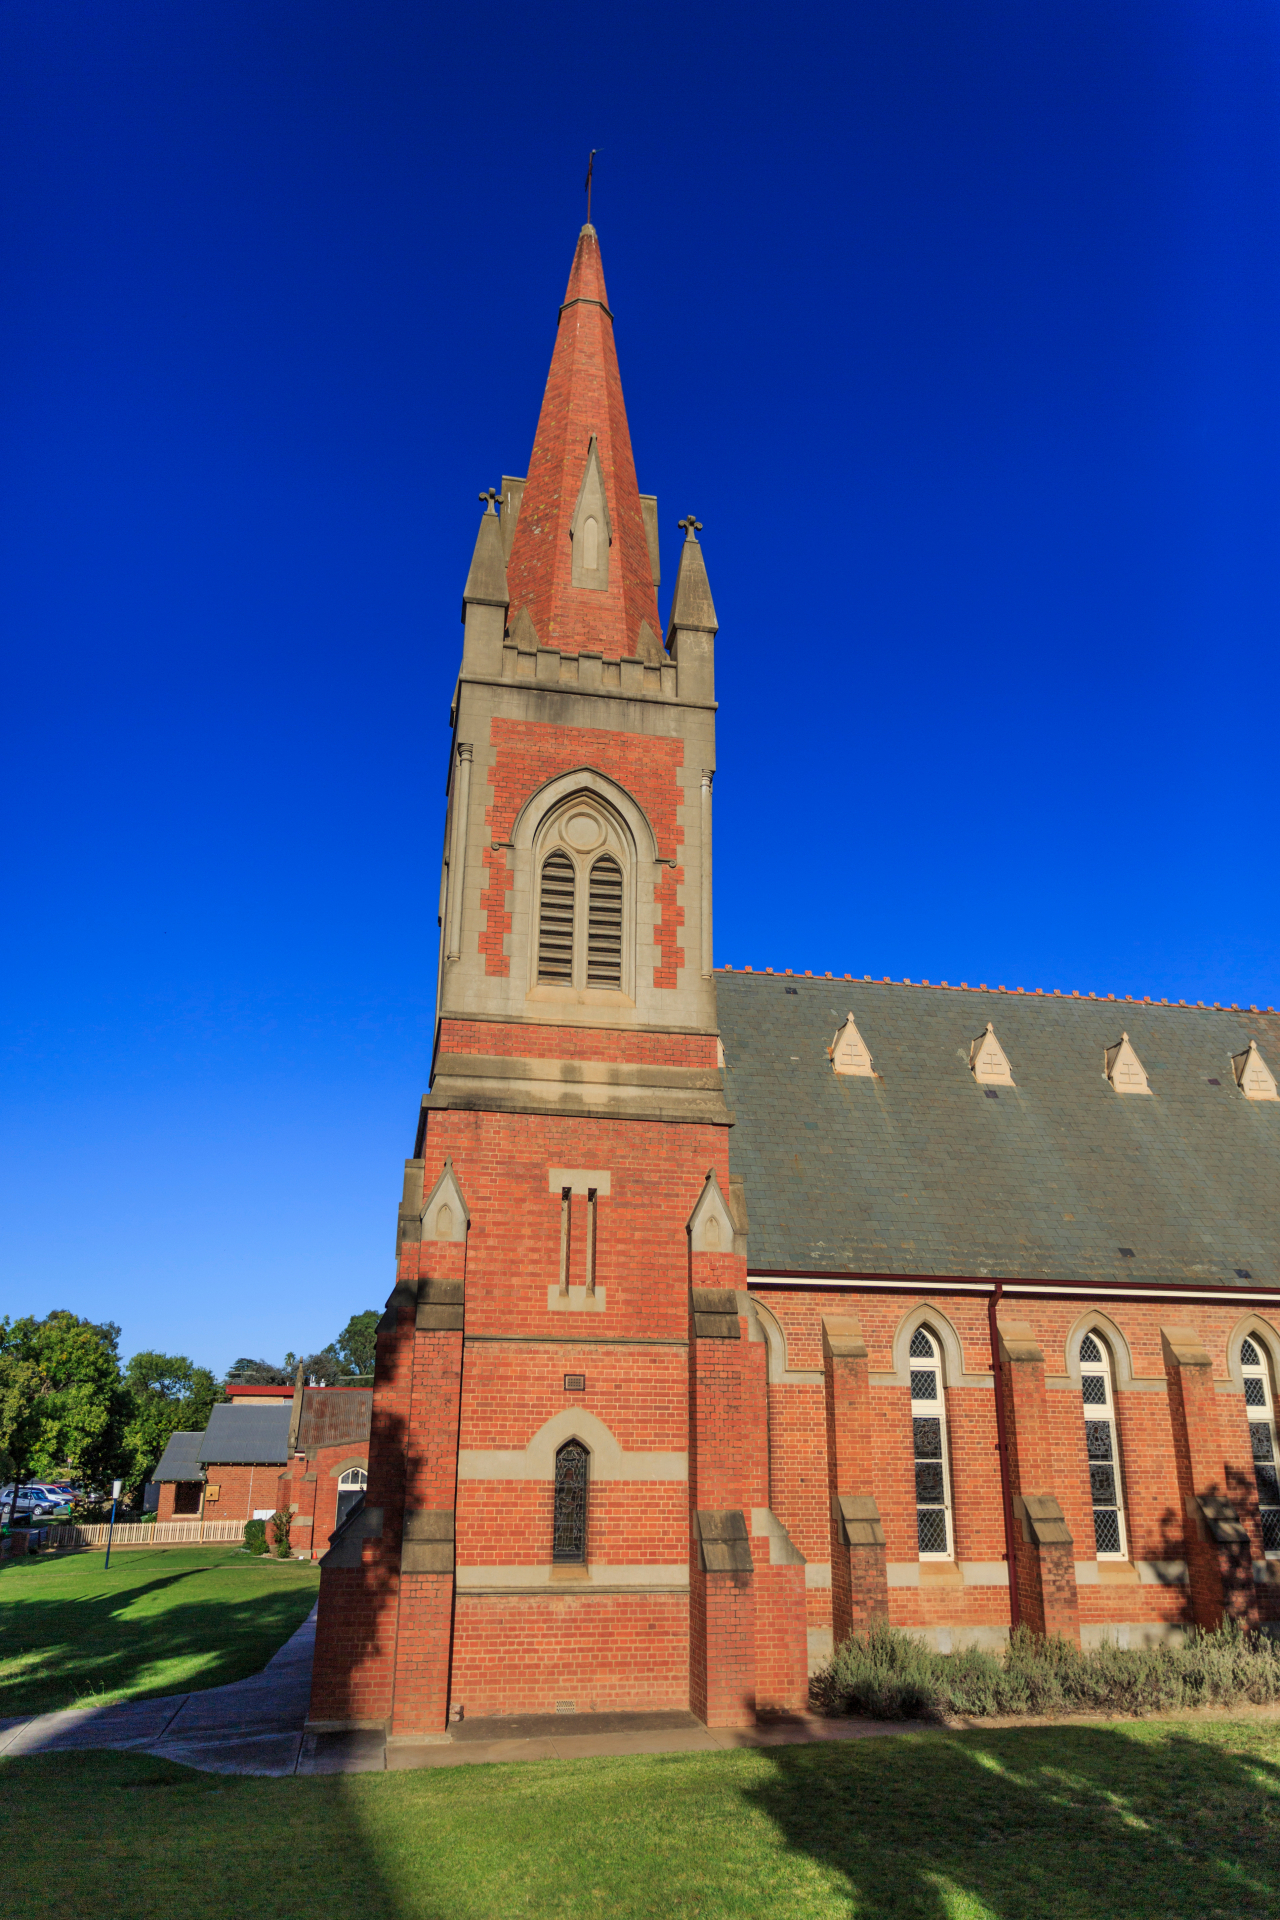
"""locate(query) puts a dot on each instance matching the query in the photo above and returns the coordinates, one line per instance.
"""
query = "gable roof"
(247, 1436)
(181, 1458)
(919, 1171)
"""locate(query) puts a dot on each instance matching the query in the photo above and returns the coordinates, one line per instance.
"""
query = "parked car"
(33, 1503)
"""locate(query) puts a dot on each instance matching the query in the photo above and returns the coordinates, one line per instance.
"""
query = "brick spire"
(579, 566)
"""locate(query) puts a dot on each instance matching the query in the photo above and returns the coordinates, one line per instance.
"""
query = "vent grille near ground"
(604, 925)
(555, 922)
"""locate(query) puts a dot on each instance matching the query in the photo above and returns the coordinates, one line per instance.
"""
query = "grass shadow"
(1127, 1820)
(157, 1621)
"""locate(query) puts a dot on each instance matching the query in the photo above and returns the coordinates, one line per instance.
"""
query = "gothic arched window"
(1103, 1448)
(934, 1535)
(1260, 1405)
(350, 1488)
(604, 924)
(555, 919)
(584, 909)
(569, 1527)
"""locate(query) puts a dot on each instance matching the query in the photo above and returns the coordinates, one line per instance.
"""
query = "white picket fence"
(154, 1533)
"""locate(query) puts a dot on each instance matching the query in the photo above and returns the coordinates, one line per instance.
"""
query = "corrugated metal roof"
(181, 1458)
(917, 1171)
(247, 1436)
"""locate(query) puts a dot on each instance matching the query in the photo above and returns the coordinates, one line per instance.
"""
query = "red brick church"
(734, 1309)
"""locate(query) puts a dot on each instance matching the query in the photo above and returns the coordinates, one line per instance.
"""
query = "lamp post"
(116, 1485)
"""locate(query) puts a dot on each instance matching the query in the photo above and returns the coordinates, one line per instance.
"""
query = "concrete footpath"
(258, 1726)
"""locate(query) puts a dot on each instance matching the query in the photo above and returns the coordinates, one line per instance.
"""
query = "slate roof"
(918, 1172)
(181, 1458)
(247, 1436)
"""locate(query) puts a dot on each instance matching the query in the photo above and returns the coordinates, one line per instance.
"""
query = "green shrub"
(281, 1522)
(255, 1536)
(888, 1674)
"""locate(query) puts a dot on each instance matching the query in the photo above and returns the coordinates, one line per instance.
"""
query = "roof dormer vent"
(1124, 1069)
(849, 1053)
(988, 1062)
(1253, 1076)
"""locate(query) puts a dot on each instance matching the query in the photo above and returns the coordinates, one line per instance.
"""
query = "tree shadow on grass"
(150, 1838)
(1061, 1821)
(60, 1645)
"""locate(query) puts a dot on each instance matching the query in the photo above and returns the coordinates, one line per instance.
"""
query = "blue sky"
(954, 324)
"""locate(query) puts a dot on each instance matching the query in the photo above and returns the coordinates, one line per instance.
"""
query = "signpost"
(116, 1485)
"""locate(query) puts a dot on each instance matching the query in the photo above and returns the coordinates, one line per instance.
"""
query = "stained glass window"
(1101, 1444)
(1259, 1400)
(569, 1535)
(928, 1429)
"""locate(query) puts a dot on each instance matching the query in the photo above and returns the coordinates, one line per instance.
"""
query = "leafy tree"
(355, 1344)
(167, 1394)
(255, 1373)
(63, 1405)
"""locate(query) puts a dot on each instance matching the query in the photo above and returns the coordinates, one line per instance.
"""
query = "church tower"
(569, 1432)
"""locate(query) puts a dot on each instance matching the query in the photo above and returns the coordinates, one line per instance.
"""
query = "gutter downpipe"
(1002, 1451)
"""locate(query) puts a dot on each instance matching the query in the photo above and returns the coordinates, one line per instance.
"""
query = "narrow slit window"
(929, 1443)
(1260, 1405)
(604, 924)
(569, 1531)
(555, 920)
(1103, 1449)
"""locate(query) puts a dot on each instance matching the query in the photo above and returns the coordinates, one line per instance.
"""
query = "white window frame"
(1264, 1415)
(935, 1409)
(352, 1480)
(1104, 1409)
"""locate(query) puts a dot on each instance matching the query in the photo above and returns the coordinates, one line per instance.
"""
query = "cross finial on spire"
(590, 169)
(490, 494)
(690, 526)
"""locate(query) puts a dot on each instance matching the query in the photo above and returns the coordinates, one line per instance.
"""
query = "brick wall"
(529, 753)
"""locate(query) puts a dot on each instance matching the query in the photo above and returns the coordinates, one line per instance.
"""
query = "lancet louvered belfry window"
(929, 1440)
(604, 924)
(569, 1533)
(1260, 1405)
(555, 920)
(1103, 1448)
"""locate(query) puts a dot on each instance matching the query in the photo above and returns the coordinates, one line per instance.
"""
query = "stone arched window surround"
(1262, 1333)
(587, 780)
(626, 834)
(537, 1460)
(1105, 1329)
(763, 1324)
(358, 1462)
(934, 1321)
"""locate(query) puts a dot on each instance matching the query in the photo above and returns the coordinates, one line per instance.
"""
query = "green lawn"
(1169, 1819)
(159, 1620)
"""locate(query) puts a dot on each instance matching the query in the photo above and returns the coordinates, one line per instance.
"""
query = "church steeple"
(580, 568)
